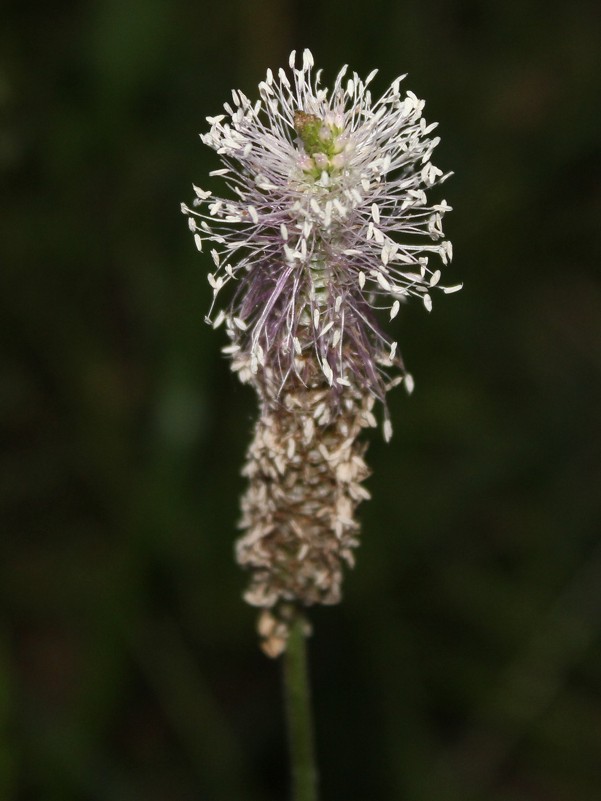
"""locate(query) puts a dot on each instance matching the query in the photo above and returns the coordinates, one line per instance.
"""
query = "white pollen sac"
(327, 371)
(371, 76)
(240, 324)
(338, 304)
(319, 410)
(201, 193)
(340, 208)
(198, 242)
(387, 429)
(219, 319)
(324, 451)
(283, 77)
(435, 278)
(393, 348)
(384, 283)
(336, 337)
(395, 309)
(253, 214)
(427, 300)
(297, 345)
(448, 290)
(284, 232)
(215, 257)
(361, 279)
(308, 429)
(375, 213)
(409, 383)
(316, 318)
(291, 448)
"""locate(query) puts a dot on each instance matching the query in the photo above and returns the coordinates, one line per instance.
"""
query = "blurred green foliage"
(465, 662)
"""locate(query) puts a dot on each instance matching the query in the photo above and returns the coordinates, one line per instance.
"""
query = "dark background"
(465, 661)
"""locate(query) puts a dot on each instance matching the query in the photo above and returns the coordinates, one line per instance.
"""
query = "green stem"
(298, 711)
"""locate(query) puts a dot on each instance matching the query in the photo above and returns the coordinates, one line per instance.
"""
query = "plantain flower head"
(324, 230)
(327, 227)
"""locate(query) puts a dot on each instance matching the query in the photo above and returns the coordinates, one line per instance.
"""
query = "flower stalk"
(299, 716)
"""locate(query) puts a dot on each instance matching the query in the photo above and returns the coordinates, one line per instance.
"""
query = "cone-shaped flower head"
(326, 229)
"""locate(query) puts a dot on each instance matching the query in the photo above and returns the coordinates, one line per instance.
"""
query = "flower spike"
(325, 231)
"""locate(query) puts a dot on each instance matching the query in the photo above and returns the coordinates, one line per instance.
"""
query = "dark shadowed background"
(465, 661)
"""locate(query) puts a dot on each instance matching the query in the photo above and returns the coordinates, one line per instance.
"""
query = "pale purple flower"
(326, 228)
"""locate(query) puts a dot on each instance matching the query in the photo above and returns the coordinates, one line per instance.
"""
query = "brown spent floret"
(305, 467)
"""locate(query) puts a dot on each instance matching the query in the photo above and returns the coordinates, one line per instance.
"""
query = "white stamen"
(327, 371)
(201, 193)
(384, 283)
(387, 430)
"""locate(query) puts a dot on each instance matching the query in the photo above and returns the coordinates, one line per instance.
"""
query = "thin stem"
(298, 711)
